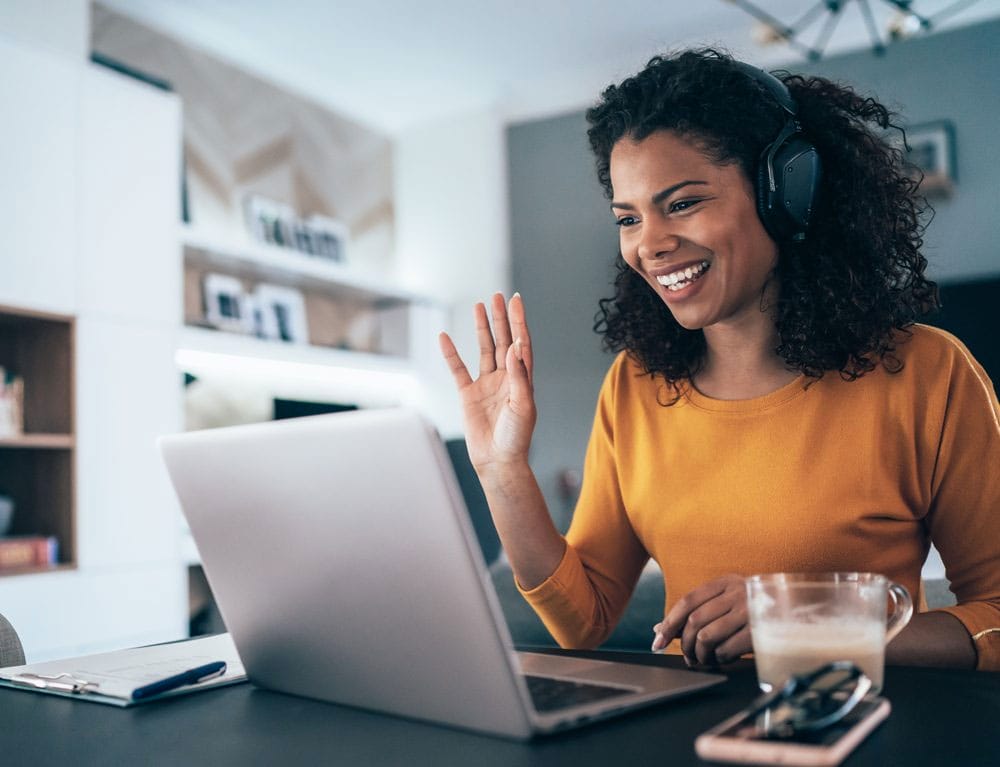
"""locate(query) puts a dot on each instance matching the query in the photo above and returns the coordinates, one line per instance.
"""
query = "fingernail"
(658, 642)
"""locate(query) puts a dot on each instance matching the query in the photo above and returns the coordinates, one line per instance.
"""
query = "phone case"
(722, 744)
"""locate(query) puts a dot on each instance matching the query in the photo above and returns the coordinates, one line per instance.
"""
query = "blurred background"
(229, 212)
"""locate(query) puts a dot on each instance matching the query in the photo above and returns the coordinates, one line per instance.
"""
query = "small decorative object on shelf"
(11, 404)
(278, 224)
(327, 236)
(21, 552)
(227, 305)
(281, 313)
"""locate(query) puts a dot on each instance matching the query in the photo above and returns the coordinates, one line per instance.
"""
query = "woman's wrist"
(507, 478)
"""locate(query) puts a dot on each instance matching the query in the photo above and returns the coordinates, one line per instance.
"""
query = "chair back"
(11, 652)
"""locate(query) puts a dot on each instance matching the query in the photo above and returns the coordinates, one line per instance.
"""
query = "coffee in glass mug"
(799, 621)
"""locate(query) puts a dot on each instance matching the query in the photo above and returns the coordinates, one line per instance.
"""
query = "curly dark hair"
(849, 286)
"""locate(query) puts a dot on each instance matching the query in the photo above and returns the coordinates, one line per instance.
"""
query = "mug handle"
(902, 610)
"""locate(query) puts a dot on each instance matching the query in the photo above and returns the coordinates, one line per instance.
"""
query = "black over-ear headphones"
(788, 170)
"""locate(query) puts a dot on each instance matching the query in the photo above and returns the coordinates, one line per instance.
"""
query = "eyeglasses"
(810, 702)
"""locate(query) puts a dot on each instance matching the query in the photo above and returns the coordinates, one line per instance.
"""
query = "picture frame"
(931, 151)
(227, 305)
(281, 314)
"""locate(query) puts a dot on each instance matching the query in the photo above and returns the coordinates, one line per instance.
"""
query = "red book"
(26, 551)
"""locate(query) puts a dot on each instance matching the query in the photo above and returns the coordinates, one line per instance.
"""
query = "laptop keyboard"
(549, 694)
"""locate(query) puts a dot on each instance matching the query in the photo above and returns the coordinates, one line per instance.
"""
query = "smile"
(683, 277)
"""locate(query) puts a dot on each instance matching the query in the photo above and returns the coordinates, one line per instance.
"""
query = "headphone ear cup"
(786, 212)
(765, 199)
(797, 172)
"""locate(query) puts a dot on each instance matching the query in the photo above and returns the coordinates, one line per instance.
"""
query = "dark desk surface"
(938, 718)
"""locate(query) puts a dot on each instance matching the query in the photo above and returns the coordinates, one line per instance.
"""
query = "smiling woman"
(774, 406)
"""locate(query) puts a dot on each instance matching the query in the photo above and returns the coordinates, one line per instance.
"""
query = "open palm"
(499, 405)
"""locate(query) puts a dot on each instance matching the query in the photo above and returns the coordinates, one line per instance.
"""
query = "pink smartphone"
(738, 740)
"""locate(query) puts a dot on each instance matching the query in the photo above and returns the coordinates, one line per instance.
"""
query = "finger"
(717, 633)
(501, 329)
(487, 349)
(521, 394)
(692, 640)
(738, 644)
(659, 641)
(451, 357)
(519, 328)
(677, 616)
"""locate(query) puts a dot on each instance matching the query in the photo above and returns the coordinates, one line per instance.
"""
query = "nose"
(658, 239)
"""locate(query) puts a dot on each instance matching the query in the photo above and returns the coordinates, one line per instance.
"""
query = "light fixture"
(905, 23)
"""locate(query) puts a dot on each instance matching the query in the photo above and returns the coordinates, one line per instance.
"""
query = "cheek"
(635, 265)
(629, 253)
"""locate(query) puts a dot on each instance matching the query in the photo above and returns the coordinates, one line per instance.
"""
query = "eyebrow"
(659, 196)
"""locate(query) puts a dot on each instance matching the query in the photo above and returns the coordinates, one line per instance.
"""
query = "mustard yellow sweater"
(833, 475)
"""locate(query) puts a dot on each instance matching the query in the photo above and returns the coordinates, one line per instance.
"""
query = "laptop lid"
(346, 568)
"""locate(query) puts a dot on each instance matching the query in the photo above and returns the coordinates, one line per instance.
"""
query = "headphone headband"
(772, 84)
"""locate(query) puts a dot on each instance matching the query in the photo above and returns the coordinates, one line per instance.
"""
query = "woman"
(774, 406)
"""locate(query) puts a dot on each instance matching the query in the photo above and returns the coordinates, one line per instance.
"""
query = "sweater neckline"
(794, 388)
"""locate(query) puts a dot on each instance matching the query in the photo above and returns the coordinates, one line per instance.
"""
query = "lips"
(681, 277)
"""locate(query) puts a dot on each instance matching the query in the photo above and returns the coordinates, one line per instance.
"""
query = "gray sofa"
(633, 632)
(11, 652)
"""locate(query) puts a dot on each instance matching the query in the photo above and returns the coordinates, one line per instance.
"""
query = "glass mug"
(799, 621)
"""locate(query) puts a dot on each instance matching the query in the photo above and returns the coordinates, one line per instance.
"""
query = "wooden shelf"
(40, 441)
(37, 467)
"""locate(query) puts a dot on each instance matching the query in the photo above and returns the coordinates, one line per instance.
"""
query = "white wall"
(60, 27)
(452, 240)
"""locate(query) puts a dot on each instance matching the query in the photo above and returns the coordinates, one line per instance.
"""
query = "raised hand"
(499, 405)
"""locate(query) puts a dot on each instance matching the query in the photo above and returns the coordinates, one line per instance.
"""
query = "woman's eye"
(625, 221)
(680, 205)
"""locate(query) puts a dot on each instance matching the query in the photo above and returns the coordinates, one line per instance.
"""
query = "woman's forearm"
(531, 541)
(933, 639)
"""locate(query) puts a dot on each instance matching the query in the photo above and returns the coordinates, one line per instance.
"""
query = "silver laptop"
(346, 568)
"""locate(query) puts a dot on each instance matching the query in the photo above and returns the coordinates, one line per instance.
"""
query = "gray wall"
(563, 241)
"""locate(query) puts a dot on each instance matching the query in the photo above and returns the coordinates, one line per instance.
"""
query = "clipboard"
(112, 677)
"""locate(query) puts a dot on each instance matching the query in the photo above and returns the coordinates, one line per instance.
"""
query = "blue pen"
(193, 676)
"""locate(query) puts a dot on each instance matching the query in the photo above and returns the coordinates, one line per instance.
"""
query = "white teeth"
(681, 278)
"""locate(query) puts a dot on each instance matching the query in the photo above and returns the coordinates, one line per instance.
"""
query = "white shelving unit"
(99, 154)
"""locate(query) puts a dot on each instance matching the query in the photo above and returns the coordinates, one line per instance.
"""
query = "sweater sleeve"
(582, 601)
(964, 519)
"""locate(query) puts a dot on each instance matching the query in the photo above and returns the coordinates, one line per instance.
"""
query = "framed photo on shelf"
(227, 305)
(931, 151)
(281, 313)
